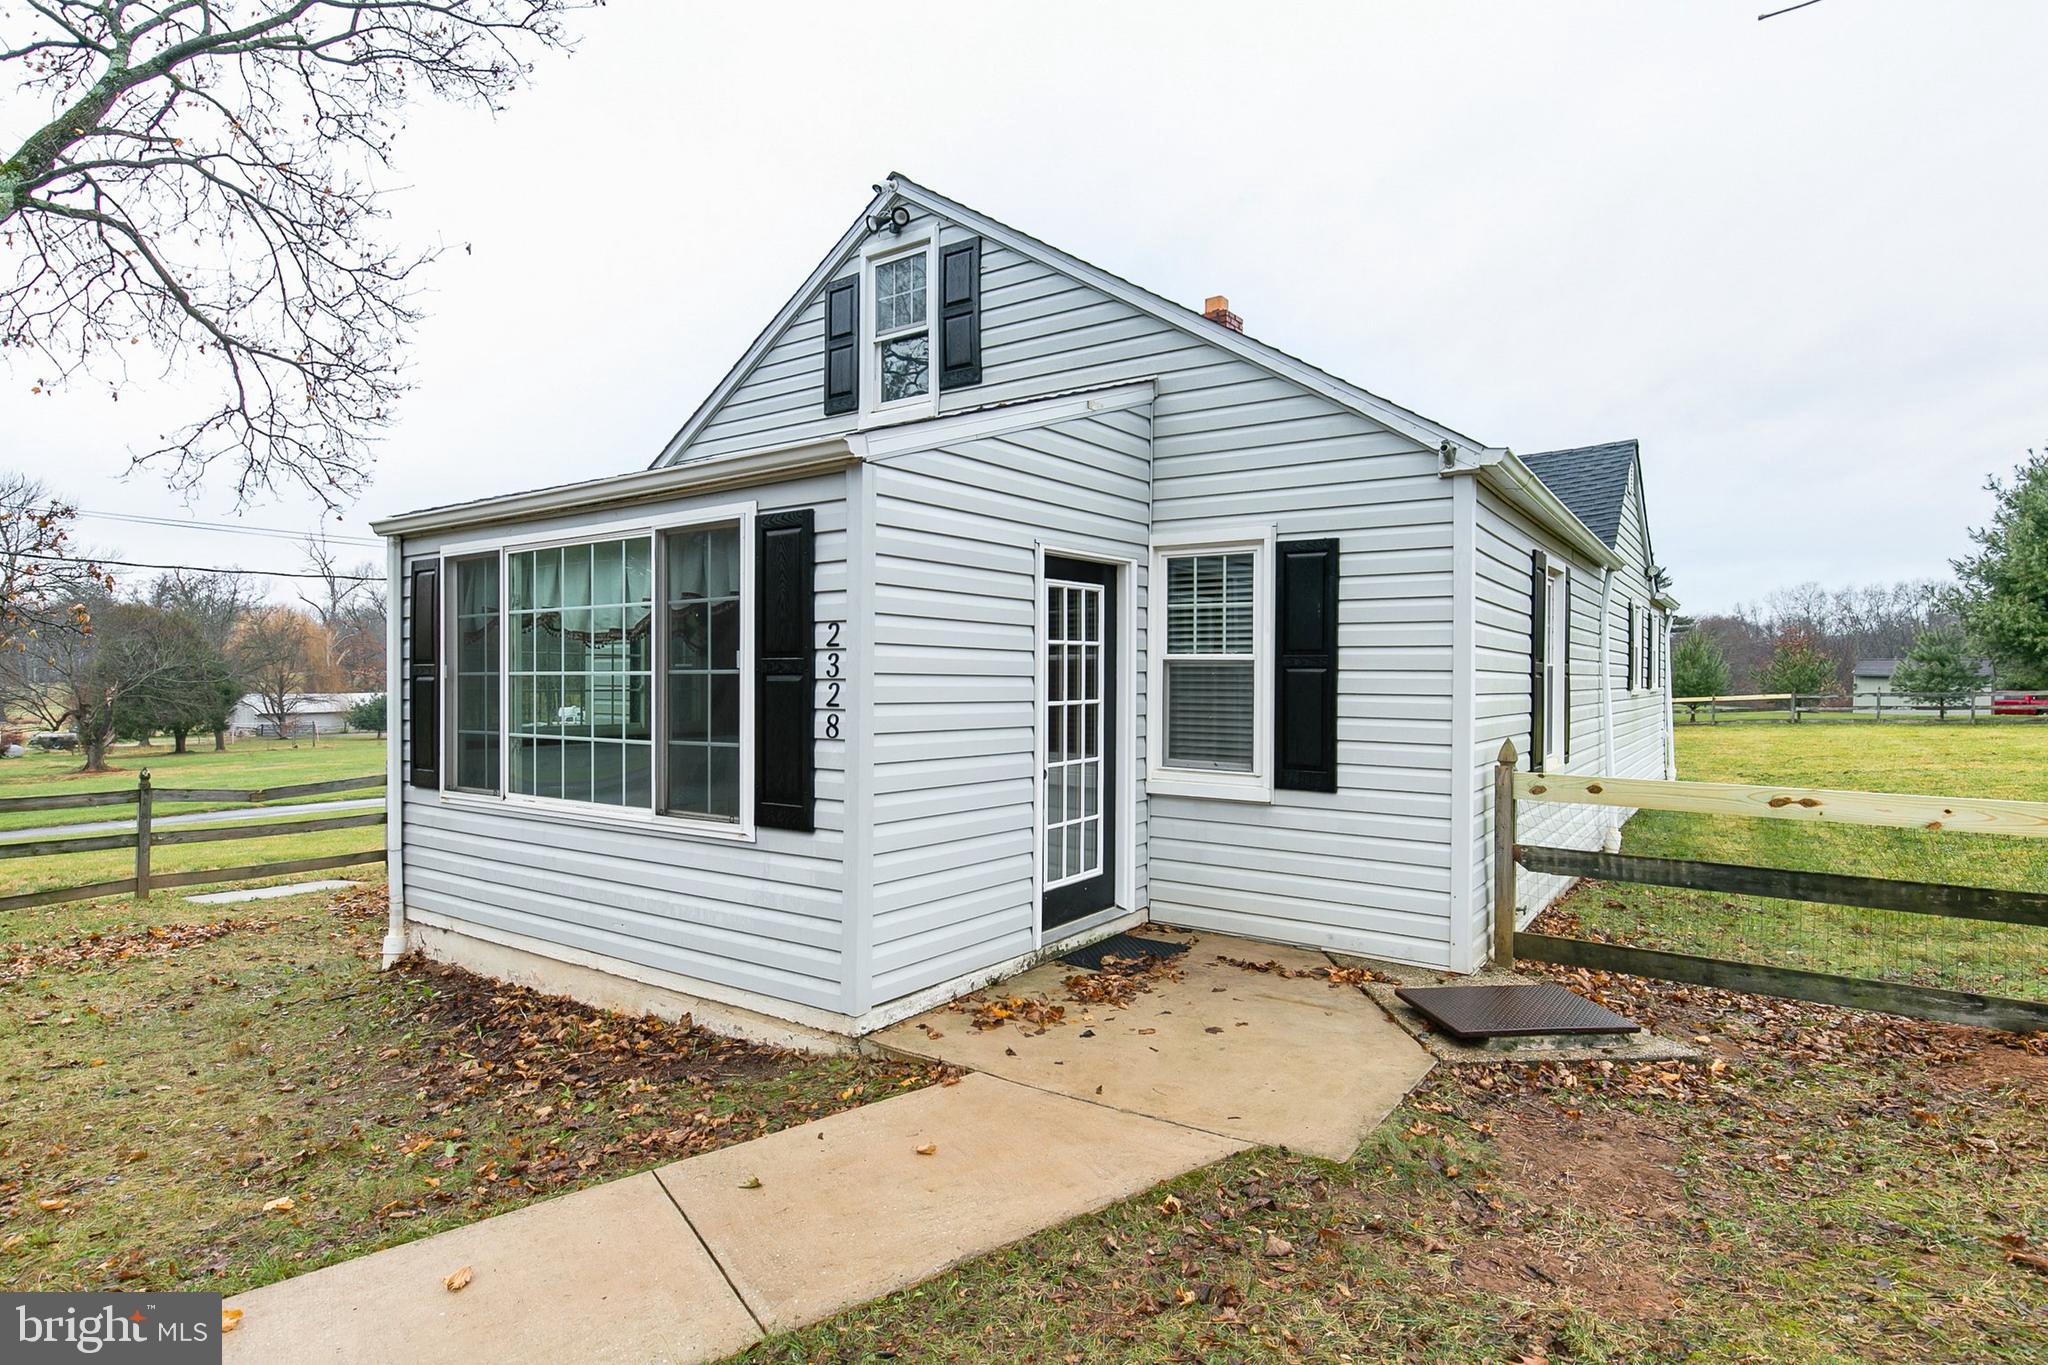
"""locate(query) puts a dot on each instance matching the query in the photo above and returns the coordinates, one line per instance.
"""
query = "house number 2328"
(831, 677)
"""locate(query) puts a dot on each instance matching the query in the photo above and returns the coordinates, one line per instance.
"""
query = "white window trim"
(879, 249)
(652, 819)
(1557, 699)
(1161, 780)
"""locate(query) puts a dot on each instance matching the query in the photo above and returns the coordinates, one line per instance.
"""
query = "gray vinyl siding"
(765, 917)
(1365, 869)
(1041, 331)
(955, 678)
(1503, 546)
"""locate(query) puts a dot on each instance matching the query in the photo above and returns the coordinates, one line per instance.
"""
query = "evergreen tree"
(1698, 666)
(2004, 586)
(1938, 671)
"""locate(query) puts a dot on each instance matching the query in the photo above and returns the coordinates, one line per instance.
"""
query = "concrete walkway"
(216, 817)
(698, 1259)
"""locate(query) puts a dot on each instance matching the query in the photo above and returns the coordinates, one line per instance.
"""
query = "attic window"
(902, 329)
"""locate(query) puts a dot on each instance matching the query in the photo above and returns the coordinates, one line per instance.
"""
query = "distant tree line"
(1807, 639)
(172, 657)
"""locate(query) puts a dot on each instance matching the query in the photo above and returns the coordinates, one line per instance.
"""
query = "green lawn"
(245, 763)
(169, 1073)
(1984, 761)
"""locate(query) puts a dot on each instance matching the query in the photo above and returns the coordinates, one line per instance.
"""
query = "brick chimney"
(1217, 310)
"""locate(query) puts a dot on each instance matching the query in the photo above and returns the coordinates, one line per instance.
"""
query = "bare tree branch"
(205, 189)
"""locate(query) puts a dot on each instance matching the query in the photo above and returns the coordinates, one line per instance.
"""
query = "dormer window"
(903, 326)
(902, 329)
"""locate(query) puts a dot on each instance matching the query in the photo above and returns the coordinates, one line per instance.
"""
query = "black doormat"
(1125, 946)
(1474, 1012)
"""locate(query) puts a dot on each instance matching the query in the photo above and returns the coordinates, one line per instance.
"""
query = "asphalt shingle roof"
(1591, 480)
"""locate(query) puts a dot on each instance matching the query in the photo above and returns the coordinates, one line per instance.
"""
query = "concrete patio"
(1266, 1058)
(698, 1259)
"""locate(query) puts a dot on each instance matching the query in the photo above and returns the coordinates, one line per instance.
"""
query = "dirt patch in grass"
(1611, 1284)
(2000, 1064)
(1609, 1163)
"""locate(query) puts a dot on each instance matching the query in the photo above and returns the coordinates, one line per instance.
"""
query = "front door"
(1078, 624)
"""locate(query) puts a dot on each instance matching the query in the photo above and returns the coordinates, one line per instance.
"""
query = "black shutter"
(785, 765)
(1633, 656)
(1305, 682)
(1564, 666)
(960, 315)
(842, 345)
(1539, 644)
(423, 676)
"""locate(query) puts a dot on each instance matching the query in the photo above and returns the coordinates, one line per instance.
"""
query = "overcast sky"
(1801, 260)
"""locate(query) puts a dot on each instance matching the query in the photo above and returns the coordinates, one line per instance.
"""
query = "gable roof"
(1430, 434)
(1460, 454)
(1592, 481)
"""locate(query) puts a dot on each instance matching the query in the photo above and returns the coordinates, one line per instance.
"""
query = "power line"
(277, 532)
(200, 568)
(1787, 10)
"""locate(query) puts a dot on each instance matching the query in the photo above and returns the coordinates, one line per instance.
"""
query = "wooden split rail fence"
(2018, 819)
(146, 837)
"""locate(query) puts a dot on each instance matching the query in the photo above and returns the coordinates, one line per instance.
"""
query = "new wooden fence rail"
(146, 836)
(2021, 819)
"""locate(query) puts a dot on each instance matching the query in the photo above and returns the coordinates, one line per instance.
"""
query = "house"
(323, 713)
(1870, 685)
(989, 605)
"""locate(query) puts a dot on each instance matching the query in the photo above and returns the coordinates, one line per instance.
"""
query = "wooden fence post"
(143, 803)
(1714, 711)
(1504, 858)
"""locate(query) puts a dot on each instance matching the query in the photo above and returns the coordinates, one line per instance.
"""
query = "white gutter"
(394, 750)
(719, 472)
(1503, 471)
(1670, 720)
(1607, 696)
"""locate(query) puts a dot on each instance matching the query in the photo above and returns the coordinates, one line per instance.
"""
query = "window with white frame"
(590, 628)
(1210, 664)
(582, 675)
(474, 673)
(902, 331)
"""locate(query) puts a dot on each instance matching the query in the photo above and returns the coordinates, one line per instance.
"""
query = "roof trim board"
(715, 474)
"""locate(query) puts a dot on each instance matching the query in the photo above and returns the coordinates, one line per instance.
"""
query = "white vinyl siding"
(1504, 542)
(1365, 869)
(765, 917)
(958, 533)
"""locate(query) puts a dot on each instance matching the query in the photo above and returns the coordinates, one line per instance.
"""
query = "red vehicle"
(2019, 703)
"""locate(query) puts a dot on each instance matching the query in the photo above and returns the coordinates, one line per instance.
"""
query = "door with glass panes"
(1077, 620)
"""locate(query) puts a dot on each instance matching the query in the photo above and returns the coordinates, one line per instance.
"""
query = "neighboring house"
(324, 712)
(1871, 684)
(989, 605)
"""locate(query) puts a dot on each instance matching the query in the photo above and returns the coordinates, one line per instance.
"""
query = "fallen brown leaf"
(929, 1149)
(230, 1319)
(459, 1278)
